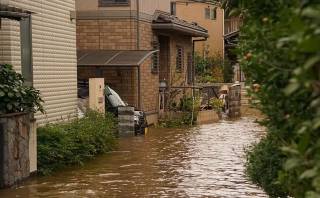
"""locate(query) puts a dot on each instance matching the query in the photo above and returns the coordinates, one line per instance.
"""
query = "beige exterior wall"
(54, 54)
(195, 12)
(146, 6)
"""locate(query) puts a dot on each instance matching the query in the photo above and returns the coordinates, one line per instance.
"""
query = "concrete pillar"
(96, 94)
(33, 147)
(234, 101)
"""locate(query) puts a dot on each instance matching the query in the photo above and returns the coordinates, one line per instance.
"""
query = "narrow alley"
(205, 161)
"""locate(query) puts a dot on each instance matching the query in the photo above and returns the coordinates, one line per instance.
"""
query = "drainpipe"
(138, 48)
(193, 74)
(138, 24)
(194, 54)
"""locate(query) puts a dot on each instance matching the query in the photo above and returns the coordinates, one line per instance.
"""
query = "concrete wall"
(54, 54)
(195, 12)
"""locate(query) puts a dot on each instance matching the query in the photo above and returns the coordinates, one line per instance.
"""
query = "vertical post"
(138, 24)
(139, 89)
(2, 143)
(26, 50)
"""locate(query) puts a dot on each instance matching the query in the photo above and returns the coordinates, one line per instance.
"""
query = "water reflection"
(205, 161)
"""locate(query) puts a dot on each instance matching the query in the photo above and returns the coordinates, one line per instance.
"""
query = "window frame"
(179, 58)
(103, 3)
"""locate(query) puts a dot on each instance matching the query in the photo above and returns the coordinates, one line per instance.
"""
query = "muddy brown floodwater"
(205, 161)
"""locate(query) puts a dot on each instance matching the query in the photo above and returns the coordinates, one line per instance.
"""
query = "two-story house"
(208, 15)
(133, 45)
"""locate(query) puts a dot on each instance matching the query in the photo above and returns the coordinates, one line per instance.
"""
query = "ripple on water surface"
(205, 161)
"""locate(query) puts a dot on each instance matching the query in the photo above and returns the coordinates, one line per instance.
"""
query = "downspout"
(138, 48)
(138, 24)
(193, 73)
(194, 54)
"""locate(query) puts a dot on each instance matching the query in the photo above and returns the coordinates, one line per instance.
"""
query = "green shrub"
(264, 160)
(14, 95)
(279, 51)
(61, 145)
(185, 109)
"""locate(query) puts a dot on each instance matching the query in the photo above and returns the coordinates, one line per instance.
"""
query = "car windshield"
(113, 97)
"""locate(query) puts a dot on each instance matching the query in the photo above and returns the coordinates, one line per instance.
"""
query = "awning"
(166, 21)
(109, 58)
(13, 12)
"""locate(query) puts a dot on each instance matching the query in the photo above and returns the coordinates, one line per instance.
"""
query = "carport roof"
(110, 58)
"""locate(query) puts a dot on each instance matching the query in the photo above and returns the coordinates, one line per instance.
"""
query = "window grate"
(179, 59)
(113, 2)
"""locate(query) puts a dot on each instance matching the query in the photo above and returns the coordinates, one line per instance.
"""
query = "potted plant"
(17, 103)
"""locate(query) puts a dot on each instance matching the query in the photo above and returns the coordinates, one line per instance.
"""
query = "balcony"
(232, 25)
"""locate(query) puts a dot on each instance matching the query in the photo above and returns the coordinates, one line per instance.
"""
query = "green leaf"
(9, 107)
(291, 88)
(10, 94)
(311, 62)
(292, 163)
(309, 174)
(2, 94)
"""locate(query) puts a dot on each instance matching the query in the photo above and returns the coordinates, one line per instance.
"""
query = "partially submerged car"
(113, 101)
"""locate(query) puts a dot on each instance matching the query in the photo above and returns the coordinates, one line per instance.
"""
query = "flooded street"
(206, 161)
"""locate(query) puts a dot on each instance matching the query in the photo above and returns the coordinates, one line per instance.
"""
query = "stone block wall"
(234, 101)
(14, 148)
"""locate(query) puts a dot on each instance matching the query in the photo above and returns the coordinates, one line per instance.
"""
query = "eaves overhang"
(13, 13)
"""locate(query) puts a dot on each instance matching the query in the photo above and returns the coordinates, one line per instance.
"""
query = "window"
(190, 68)
(207, 13)
(173, 8)
(155, 57)
(179, 59)
(113, 2)
(211, 13)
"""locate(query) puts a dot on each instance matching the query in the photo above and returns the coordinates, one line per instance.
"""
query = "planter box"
(206, 117)
(14, 148)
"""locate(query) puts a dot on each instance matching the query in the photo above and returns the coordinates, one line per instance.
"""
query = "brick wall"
(109, 34)
(146, 36)
(186, 43)
(149, 88)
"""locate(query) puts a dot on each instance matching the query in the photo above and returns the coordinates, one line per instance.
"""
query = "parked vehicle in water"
(113, 101)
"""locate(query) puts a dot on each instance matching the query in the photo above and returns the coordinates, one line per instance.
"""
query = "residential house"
(208, 15)
(48, 55)
(133, 45)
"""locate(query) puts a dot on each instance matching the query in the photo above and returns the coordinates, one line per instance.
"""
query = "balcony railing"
(231, 25)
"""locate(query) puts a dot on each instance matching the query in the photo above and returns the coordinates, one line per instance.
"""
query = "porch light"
(163, 85)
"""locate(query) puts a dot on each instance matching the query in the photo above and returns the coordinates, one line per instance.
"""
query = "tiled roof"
(162, 18)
